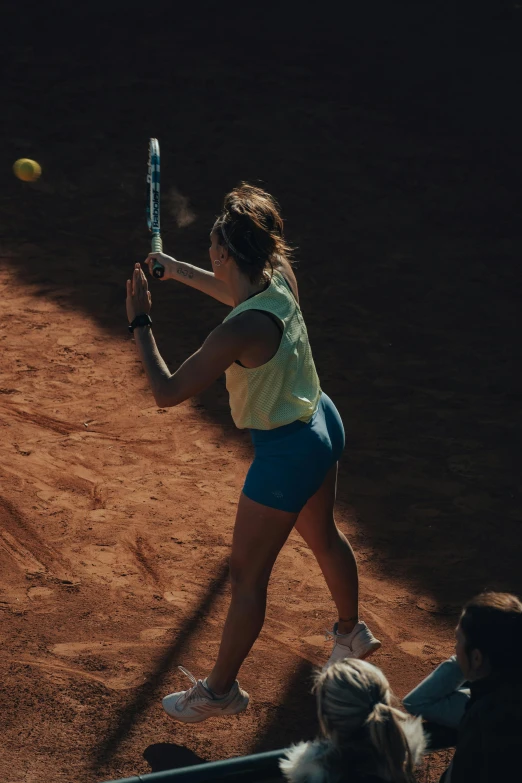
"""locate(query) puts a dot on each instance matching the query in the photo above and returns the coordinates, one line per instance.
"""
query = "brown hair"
(252, 228)
(492, 623)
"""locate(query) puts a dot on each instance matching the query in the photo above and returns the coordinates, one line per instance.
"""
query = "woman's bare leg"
(259, 534)
(332, 551)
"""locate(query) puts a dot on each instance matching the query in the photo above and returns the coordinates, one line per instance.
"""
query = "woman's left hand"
(138, 295)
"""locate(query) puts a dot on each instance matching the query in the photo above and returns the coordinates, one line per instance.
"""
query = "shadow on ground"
(151, 691)
(168, 755)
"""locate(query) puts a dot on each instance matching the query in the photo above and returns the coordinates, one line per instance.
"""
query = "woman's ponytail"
(390, 743)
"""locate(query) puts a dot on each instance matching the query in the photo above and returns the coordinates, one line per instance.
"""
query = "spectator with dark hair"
(489, 712)
(365, 738)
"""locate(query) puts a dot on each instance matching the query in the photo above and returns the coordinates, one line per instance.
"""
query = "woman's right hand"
(165, 261)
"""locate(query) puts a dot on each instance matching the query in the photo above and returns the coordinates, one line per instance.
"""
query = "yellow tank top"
(286, 388)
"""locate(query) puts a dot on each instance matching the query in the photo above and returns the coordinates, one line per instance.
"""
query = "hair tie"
(379, 707)
(231, 246)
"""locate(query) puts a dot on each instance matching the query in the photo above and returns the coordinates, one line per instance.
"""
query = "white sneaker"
(199, 703)
(359, 643)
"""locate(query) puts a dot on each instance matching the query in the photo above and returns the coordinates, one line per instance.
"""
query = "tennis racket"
(153, 204)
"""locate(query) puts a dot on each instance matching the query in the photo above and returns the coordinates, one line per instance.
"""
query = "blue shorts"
(291, 462)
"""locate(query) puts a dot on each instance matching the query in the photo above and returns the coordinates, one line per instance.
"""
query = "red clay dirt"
(116, 517)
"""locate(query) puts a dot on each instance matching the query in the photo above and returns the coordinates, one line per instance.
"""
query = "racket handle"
(158, 270)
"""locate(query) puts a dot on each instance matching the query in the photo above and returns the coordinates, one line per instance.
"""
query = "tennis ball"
(27, 170)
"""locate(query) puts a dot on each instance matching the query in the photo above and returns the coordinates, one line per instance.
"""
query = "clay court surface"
(403, 196)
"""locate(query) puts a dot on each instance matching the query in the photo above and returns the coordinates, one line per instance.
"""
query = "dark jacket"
(490, 735)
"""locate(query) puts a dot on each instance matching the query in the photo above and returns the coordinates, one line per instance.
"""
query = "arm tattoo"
(185, 272)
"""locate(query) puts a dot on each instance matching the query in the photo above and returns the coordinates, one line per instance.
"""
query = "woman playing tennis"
(297, 433)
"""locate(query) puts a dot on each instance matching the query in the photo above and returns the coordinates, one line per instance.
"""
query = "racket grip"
(158, 270)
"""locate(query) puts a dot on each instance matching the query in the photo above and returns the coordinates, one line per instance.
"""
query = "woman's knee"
(244, 576)
(322, 537)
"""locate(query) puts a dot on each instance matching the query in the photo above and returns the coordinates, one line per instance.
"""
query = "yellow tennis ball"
(27, 170)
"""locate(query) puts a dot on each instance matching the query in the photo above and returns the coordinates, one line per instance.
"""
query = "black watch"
(141, 320)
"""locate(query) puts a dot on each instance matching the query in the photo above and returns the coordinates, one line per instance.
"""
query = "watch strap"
(143, 319)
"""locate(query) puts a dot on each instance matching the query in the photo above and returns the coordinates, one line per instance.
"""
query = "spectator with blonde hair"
(365, 738)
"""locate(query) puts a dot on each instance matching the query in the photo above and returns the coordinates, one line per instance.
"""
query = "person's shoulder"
(304, 762)
(318, 762)
(489, 737)
(286, 270)
(492, 724)
(498, 691)
(250, 323)
(502, 704)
